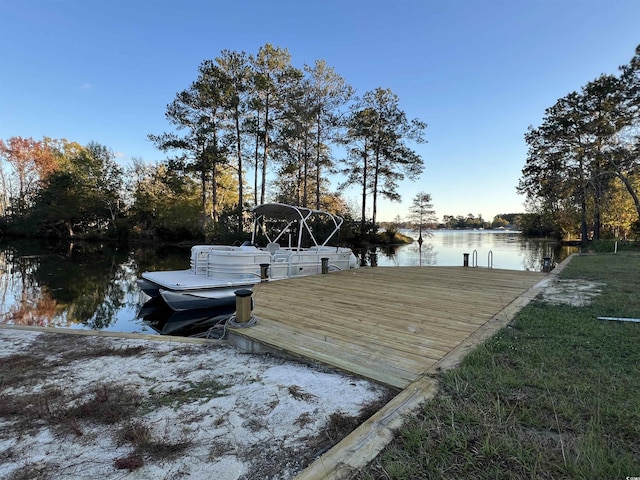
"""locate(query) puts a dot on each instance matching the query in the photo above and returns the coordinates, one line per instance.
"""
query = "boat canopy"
(292, 215)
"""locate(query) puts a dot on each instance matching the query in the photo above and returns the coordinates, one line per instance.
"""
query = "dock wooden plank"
(395, 325)
(364, 443)
(389, 324)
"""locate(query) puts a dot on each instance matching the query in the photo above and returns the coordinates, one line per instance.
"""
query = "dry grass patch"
(66, 408)
(176, 397)
(107, 404)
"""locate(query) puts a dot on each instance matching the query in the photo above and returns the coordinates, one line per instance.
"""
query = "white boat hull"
(199, 299)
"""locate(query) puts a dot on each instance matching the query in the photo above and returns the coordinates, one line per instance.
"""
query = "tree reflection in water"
(411, 255)
(75, 285)
(93, 286)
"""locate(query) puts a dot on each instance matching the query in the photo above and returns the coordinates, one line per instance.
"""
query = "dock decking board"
(395, 325)
(389, 324)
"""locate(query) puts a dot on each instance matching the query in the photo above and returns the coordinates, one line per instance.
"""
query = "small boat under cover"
(217, 271)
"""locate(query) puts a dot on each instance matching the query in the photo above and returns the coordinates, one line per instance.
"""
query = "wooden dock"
(395, 325)
(388, 324)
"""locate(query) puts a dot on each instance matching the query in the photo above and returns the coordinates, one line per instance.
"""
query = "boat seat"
(272, 247)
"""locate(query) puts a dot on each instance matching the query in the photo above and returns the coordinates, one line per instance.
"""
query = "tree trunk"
(265, 151)
(305, 170)
(214, 179)
(256, 157)
(597, 217)
(584, 234)
(203, 187)
(318, 140)
(376, 172)
(214, 194)
(298, 181)
(364, 191)
(69, 228)
(3, 195)
(583, 205)
(630, 189)
(240, 174)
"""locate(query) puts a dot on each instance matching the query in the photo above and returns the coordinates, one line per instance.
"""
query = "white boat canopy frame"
(292, 215)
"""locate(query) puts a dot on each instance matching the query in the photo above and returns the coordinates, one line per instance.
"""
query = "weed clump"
(131, 462)
(108, 404)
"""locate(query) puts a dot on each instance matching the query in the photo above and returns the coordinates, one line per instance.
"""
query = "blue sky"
(478, 72)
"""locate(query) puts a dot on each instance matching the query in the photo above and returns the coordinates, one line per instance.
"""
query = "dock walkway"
(394, 325)
(388, 324)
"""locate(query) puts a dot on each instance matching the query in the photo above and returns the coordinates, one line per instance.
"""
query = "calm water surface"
(496, 248)
(91, 286)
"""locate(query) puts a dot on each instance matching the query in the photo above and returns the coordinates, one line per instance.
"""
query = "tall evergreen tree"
(357, 165)
(384, 157)
(237, 75)
(421, 213)
(557, 166)
(329, 92)
(203, 149)
(586, 140)
(272, 71)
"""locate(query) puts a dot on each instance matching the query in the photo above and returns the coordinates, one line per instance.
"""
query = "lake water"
(90, 286)
(486, 248)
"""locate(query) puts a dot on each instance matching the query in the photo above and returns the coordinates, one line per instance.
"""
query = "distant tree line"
(422, 219)
(471, 221)
(243, 113)
(582, 173)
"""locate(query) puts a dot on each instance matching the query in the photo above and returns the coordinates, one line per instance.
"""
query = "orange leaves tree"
(55, 187)
(26, 162)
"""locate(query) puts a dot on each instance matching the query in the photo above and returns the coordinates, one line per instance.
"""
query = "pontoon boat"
(291, 247)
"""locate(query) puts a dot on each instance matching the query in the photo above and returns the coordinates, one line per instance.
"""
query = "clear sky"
(478, 72)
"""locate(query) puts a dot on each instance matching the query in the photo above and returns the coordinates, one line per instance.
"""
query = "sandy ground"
(201, 411)
(574, 292)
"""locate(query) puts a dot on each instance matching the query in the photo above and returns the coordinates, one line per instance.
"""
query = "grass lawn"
(556, 394)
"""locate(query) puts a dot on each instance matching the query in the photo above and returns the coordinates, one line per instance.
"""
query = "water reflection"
(93, 286)
(495, 248)
(165, 321)
(77, 286)
(412, 255)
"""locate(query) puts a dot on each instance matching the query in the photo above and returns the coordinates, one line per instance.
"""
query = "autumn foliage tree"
(30, 162)
(85, 196)
(57, 187)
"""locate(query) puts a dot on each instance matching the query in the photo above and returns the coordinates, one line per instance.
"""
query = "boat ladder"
(474, 259)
